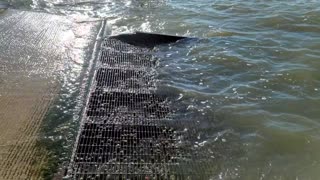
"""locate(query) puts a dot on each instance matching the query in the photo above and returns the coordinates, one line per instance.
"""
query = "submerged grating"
(115, 45)
(124, 132)
(126, 59)
(103, 103)
(125, 144)
(124, 80)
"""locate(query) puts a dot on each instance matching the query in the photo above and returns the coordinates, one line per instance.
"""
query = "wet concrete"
(35, 48)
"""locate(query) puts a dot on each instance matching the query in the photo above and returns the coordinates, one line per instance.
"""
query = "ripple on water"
(261, 85)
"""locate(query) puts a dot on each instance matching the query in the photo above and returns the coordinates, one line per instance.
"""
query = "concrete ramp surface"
(35, 49)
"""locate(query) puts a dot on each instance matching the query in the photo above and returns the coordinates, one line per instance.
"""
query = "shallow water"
(251, 80)
(43, 62)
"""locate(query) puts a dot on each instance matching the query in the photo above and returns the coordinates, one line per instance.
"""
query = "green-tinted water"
(252, 79)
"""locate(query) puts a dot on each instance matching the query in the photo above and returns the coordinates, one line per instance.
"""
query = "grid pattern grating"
(116, 58)
(115, 45)
(125, 144)
(103, 103)
(124, 80)
(122, 135)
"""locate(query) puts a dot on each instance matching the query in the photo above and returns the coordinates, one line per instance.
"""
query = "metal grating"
(112, 44)
(126, 59)
(124, 80)
(121, 135)
(126, 130)
(103, 103)
(109, 143)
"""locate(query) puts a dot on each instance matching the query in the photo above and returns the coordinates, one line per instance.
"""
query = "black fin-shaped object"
(148, 40)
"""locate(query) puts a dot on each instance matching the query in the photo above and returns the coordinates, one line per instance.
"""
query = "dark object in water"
(148, 40)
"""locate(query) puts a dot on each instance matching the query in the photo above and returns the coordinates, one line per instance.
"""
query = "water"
(251, 79)
(44, 64)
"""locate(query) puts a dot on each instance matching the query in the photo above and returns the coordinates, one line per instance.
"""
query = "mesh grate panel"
(104, 103)
(125, 117)
(125, 144)
(117, 45)
(125, 131)
(115, 59)
(124, 80)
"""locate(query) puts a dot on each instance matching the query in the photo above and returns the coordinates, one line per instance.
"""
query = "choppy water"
(252, 78)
